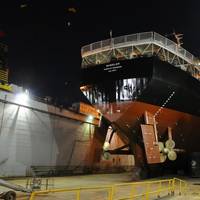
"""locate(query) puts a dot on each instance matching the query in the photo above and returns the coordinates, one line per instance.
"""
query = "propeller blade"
(106, 146)
(106, 155)
(172, 155)
(163, 157)
(170, 144)
(161, 146)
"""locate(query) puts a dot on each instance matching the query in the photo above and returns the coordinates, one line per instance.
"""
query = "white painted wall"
(29, 137)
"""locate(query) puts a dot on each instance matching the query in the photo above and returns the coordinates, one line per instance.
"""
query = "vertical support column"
(147, 192)
(132, 192)
(159, 189)
(173, 186)
(78, 195)
(111, 193)
(180, 187)
(170, 133)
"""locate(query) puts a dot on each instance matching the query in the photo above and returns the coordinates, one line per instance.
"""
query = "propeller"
(167, 150)
(106, 146)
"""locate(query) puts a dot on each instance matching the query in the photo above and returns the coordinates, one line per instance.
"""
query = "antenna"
(112, 44)
(178, 37)
(111, 34)
(111, 41)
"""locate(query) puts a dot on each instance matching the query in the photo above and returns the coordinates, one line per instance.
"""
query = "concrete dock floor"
(193, 192)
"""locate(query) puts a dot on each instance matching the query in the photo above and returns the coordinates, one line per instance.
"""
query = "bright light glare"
(22, 98)
(90, 117)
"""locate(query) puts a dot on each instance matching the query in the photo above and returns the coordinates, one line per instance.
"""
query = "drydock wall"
(30, 136)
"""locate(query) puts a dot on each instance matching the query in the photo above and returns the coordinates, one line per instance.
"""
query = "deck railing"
(138, 39)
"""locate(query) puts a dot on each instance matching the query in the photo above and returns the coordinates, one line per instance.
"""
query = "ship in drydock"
(148, 90)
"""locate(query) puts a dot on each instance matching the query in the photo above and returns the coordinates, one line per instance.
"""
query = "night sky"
(45, 39)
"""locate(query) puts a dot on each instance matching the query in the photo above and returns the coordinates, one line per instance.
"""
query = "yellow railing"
(126, 191)
(77, 191)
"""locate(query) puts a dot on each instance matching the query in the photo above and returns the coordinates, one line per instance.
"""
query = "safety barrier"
(136, 39)
(148, 43)
(125, 191)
